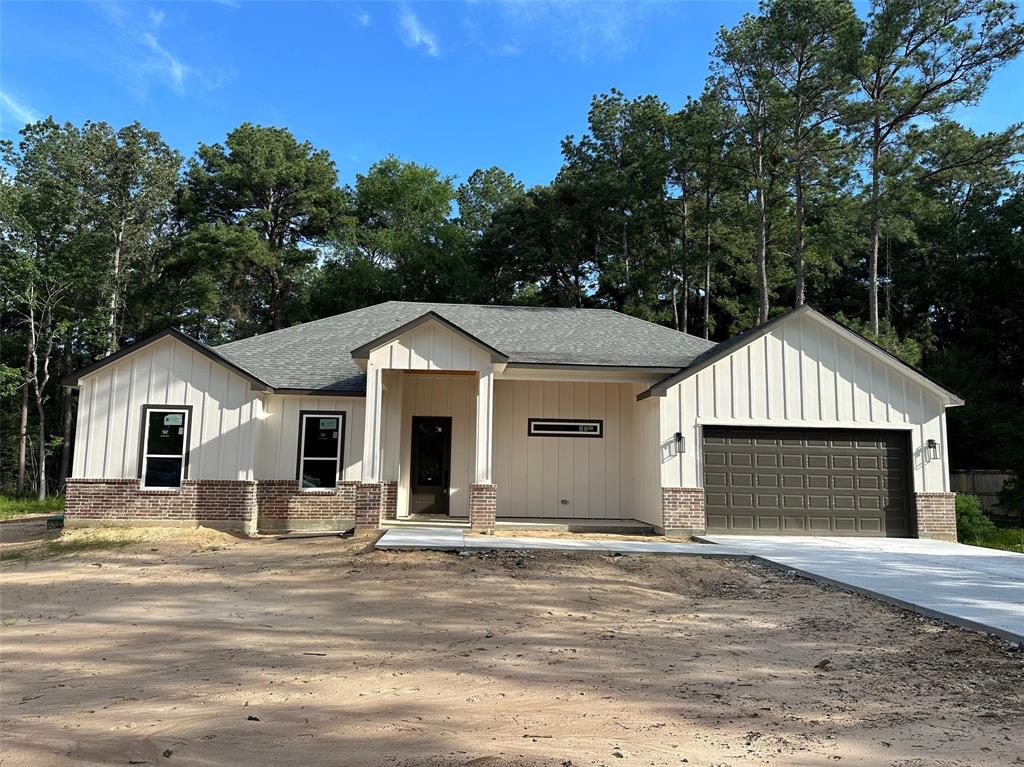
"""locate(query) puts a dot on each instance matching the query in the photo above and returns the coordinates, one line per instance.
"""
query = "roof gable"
(728, 347)
(363, 352)
(255, 381)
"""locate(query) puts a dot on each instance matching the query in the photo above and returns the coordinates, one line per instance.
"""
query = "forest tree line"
(820, 164)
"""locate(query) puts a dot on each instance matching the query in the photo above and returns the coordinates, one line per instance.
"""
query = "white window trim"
(146, 455)
(340, 417)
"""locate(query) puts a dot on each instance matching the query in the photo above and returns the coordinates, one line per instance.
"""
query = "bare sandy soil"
(324, 652)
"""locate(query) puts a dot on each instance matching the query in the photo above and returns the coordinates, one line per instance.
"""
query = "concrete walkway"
(970, 586)
(458, 539)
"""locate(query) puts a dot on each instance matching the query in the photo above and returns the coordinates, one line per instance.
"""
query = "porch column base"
(483, 507)
(936, 516)
(368, 506)
(389, 500)
(682, 511)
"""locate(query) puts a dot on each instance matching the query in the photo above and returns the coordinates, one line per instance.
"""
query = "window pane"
(163, 472)
(321, 440)
(319, 473)
(166, 433)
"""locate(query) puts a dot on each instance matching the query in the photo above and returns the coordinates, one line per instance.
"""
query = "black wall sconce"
(933, 448)
(680, 442)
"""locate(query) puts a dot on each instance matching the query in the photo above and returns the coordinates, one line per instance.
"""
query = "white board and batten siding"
(573, 477)
(277, 450)
(803, 373)
(224, 413)
(430, 346)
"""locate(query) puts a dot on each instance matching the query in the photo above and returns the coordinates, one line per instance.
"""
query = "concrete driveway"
(974, 587)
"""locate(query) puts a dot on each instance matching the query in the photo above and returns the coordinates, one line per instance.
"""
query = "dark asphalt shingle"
(317, 355)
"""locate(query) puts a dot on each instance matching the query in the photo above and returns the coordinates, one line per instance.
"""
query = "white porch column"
(373, 424)
(484, 426)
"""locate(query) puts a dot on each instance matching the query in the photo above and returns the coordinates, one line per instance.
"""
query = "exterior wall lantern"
(680, 442)
(933, 449)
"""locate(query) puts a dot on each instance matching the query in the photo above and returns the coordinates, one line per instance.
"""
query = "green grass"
(1005, 538)
(11, 507)
(59, 547)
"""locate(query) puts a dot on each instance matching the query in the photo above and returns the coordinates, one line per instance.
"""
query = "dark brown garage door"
(806, 481)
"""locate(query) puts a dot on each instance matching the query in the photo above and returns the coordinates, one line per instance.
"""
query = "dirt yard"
(200, 649)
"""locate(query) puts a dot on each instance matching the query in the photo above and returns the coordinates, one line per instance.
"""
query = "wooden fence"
(984, 483)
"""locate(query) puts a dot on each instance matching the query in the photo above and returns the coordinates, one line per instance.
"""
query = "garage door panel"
(826, 481)
(742, 500)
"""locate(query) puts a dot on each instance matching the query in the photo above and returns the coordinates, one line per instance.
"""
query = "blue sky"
(454, 85)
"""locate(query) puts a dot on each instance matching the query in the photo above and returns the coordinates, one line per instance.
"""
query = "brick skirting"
(221, 503)
(936, 515)
(682, 511)
(483, 507)
(284, 507)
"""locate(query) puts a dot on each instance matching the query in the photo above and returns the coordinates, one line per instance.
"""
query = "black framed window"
(165, 437)
(565, 427)
(321, 436)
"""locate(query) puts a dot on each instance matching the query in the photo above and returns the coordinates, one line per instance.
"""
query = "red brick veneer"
(222, 503)
(936, 515)
(389, 500)
(284, 506)
(682, 511)
(368, 506)
(483, 507)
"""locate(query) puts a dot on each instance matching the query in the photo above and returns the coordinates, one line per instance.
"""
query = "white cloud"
(362, 17)
(586, 30)
(10, 106)
(166, 63)
(416, 35)
(142, 58)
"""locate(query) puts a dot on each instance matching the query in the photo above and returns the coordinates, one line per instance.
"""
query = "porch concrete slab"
(979, 588)
(413, 538)
(448, 539)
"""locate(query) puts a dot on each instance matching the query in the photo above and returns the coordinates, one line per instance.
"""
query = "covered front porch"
(455, 435)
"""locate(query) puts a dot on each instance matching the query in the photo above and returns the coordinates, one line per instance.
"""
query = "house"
(497, 413)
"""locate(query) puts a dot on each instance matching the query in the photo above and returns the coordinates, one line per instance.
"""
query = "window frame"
(532, 422)
(340, 459)
(144, 445)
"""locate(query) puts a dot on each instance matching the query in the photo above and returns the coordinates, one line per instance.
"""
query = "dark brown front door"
(807, 481)
(431, 465)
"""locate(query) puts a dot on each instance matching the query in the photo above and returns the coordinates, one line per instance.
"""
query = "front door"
(431, 464)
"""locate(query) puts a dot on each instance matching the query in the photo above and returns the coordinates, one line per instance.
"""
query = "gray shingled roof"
(317, 355)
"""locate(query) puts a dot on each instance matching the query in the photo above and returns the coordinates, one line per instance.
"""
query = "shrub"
(971, 522)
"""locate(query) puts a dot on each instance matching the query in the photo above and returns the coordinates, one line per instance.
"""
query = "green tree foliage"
(265, 202)
(920, 58)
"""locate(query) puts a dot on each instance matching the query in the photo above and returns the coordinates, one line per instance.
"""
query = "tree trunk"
(874, 230)
(707, 299)
(707, 264)
(41, 494)
(276, 299)
(686, 303)
(762, 257)
(114, 295)
(798, 245)
(67, 423)
(686, 263)
(19, 486)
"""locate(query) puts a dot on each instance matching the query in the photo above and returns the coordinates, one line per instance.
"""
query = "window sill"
(160, 490)
(319, 490)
